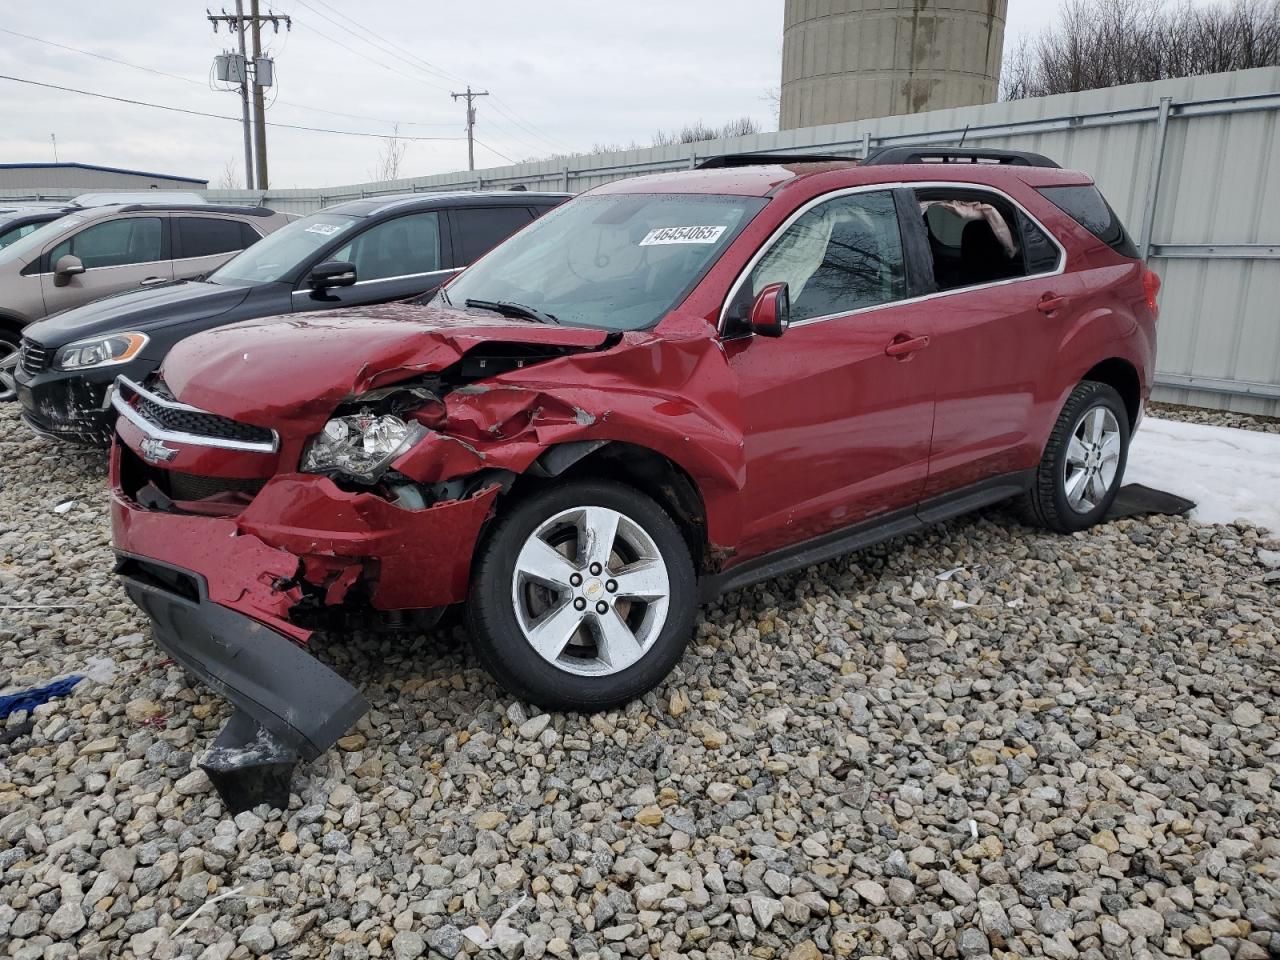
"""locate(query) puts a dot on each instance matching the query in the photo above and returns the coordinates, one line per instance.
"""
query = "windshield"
(27, 247)
(613, 262)
(278, 255)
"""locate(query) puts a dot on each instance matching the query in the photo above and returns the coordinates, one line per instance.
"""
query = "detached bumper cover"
(265, 674)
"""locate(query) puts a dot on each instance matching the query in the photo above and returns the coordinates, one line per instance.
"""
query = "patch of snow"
(1229, 473)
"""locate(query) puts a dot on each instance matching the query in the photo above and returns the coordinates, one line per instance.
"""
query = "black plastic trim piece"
(287, 691)
(945, 154)
(758, 159)
(896, 523)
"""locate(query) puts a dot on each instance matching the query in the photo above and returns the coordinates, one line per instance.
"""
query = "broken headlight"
(360, 446)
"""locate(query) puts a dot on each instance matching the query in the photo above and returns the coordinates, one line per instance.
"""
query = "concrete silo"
(856, 59)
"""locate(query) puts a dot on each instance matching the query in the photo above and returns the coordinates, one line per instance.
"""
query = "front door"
(838, 412)
(118, 254)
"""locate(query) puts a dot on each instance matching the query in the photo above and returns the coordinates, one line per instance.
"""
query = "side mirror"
(332, 273)
(771, 313)
(68, 266)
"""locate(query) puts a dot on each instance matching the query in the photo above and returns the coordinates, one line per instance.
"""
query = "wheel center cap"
(593, 589)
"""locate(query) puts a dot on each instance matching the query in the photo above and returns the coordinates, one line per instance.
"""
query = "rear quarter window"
(1087, 207)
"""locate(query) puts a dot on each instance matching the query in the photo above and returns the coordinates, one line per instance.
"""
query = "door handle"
(1050, 304)
(903, 346)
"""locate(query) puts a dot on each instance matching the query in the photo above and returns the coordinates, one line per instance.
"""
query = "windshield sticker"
(663, 235)
(325, 229)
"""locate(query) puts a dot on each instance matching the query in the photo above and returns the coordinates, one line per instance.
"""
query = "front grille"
(193, 486)
(201, 424)
(34, 358)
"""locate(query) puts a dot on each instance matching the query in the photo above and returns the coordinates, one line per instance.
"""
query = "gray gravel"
(1214, 418)
(1067, 748)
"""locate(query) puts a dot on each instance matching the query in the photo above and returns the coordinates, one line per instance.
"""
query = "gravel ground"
(1215, 418)
(1066, 748)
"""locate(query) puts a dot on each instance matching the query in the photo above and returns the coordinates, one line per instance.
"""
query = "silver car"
(97, 251)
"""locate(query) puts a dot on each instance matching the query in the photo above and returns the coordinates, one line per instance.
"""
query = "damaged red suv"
(667, 388)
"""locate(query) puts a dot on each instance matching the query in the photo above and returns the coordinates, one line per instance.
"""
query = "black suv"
(353, 253)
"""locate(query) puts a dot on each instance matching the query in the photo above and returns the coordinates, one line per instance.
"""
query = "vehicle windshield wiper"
(509, 308)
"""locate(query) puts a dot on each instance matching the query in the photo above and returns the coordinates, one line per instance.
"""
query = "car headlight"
(360, 446)
(101, 351)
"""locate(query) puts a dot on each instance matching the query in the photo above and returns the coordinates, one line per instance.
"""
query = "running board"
(887, 526)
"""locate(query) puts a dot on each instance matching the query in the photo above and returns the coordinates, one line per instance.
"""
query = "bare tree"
(230, 179)
(1104, 43)
(699, 131)
(390, 156)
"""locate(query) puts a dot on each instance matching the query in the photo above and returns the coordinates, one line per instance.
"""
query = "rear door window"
(115, 243)
(974, 237)
(480, 229)
(207, 236)
(1087, 207)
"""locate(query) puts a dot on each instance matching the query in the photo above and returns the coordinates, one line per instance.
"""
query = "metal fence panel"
(1210, 214)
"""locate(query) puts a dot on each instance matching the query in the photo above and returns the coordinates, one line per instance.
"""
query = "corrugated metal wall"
(1209, 216)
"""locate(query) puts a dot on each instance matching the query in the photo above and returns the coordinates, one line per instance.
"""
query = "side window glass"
(483, 228)
(207, 236)
(972, 241)
(843, 255)
(395, 248)
(116, 243)
(1042, 255)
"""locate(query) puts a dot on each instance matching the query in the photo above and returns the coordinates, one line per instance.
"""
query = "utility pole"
(471, 121)
(54, 138)
(259, 108)
(263, 77)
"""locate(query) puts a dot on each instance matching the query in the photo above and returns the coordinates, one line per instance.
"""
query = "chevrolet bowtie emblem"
(156, 451)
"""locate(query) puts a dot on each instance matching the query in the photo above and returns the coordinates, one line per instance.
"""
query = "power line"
(205, 83)
(375, 46)
(498, 152)
(218, 116)
(417, 62)
(426, 64)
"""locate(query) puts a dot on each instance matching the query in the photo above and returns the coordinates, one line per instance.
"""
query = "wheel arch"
(12, 323)
(1122, 376)
(652, 473)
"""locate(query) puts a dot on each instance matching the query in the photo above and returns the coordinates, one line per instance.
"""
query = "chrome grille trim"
(126, 390)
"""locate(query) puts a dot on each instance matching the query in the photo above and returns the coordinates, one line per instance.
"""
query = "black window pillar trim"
(915, 244)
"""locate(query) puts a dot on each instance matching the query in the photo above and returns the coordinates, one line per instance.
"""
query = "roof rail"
(754, 159)
(944, 154)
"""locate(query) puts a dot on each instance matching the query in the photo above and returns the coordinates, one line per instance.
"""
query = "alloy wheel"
(8, 364)
(1092, 460)
(591, 591)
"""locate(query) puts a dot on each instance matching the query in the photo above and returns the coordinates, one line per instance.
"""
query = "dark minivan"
(353, 253)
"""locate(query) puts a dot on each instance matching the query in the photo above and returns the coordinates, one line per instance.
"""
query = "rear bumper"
(263, 672)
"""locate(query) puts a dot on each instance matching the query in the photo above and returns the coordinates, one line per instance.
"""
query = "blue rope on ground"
(30, 699)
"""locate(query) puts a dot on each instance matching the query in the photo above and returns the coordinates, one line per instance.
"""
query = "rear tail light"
(1151, 287)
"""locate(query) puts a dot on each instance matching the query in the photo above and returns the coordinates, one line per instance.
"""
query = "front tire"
(583, 597)
(1083, 463)
(9, 341)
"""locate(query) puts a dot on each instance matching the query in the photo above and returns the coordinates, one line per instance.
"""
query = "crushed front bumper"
(223, 590)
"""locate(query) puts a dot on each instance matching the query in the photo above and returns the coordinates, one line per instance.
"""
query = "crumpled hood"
(293, 371)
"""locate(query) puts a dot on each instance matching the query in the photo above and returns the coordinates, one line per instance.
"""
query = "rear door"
(201, 244)
(1001, 306)
(118, 254)
(395, 259)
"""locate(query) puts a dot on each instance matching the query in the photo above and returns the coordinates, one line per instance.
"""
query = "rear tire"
(583, 597)
(1083, 463)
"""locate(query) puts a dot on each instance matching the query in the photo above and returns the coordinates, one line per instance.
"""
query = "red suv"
(667, 388)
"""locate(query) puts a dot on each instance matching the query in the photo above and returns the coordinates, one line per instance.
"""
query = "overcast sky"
(564, 74)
